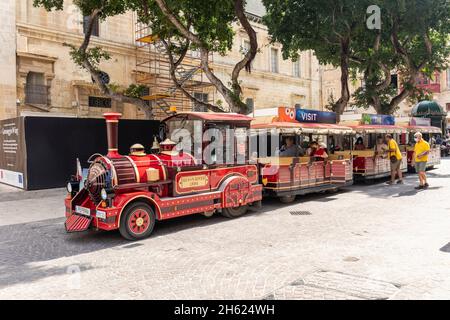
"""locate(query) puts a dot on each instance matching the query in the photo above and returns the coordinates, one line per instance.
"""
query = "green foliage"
(94, 55)
(135, 91)
(210, 20)
(319, 25)
(49, 5)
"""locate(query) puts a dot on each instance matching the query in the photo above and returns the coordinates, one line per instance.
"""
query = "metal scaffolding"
(153, 71)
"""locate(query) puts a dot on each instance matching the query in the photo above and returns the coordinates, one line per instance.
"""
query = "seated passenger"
(381, 148)
(359, 145)
(137, 149)
(290, 149)
(320, 153)
(313, 145)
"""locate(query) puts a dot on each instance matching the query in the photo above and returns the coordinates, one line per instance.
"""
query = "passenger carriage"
(286, 177)
(434, 157)
(132, 192)
(366, 164)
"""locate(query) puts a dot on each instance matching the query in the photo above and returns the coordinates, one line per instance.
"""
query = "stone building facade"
(41, 77)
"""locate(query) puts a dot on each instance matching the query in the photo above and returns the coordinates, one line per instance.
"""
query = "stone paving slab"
(372, 241)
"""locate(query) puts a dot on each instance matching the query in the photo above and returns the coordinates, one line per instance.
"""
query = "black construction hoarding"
(41, 152)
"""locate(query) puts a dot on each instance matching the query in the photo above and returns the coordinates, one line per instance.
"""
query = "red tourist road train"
(131, 192)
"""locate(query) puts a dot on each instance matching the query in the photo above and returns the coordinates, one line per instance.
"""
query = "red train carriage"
(367, 165)
(288, 176)
(434, 158)
(131, 192)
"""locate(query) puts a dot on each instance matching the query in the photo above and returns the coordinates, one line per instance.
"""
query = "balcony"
(428, 84)
(432, 87)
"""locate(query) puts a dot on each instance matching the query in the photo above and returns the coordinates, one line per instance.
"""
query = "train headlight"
(69, 187)
(104, 194)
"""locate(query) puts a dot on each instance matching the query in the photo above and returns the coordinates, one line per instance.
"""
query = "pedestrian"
(420, 158)
(395, 157)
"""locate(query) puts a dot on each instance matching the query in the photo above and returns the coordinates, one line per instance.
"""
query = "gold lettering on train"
(193, 181)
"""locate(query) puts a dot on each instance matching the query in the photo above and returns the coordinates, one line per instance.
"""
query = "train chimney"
(112, 130)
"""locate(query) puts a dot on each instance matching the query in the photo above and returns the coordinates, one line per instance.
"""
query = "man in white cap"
(420, 158)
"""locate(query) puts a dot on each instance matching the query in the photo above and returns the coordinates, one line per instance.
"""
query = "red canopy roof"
(212, 116)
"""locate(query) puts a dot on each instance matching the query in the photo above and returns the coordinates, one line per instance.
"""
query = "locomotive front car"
(131, 192)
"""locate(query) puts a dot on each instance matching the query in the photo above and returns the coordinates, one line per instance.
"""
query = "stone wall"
(8, 59)
(40, 38)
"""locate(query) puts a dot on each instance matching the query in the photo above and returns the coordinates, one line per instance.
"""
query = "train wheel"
(234, 212)
(137, 221)
(287, 199)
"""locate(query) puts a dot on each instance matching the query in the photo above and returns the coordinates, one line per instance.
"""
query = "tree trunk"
(405, 93)
(104, 89)
(341, 104)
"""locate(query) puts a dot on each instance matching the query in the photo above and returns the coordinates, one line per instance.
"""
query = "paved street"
(365, 242)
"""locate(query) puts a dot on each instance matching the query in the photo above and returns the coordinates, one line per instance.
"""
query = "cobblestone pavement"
(365, 242)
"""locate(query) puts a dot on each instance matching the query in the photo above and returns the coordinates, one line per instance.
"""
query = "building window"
(448, 107)
(36, 92)
(95, 27)
(99, 102)
(274, 60)
(250, 104)
(202, 97)
(296, 68)
(394, 81)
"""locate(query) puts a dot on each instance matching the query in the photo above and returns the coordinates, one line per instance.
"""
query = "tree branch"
(179, 86)
(230, 97)
(104, 89)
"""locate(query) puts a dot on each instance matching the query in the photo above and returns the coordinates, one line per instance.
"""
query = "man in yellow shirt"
(420, 158)
(395, 156)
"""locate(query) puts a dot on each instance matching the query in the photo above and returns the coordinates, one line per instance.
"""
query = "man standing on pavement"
(420, 158)
(395, 156)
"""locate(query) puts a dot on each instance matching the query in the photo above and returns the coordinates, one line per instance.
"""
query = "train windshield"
(185, 132)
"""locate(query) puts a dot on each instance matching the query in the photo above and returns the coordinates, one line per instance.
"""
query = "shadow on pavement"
(446, 248)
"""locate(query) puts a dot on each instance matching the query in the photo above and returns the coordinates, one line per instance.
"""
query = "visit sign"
(315, 116)
(286, 114)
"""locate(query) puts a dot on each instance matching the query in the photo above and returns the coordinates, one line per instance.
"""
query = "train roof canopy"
(271, 122)
(423, 129)
(376, 128)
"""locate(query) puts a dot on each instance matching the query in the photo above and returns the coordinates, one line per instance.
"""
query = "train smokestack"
(112, 131)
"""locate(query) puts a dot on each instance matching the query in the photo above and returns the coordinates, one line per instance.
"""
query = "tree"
(326, 27)
(413, 41)
(181, 25)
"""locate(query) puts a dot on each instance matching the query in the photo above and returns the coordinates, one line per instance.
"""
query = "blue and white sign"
(314, 116)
